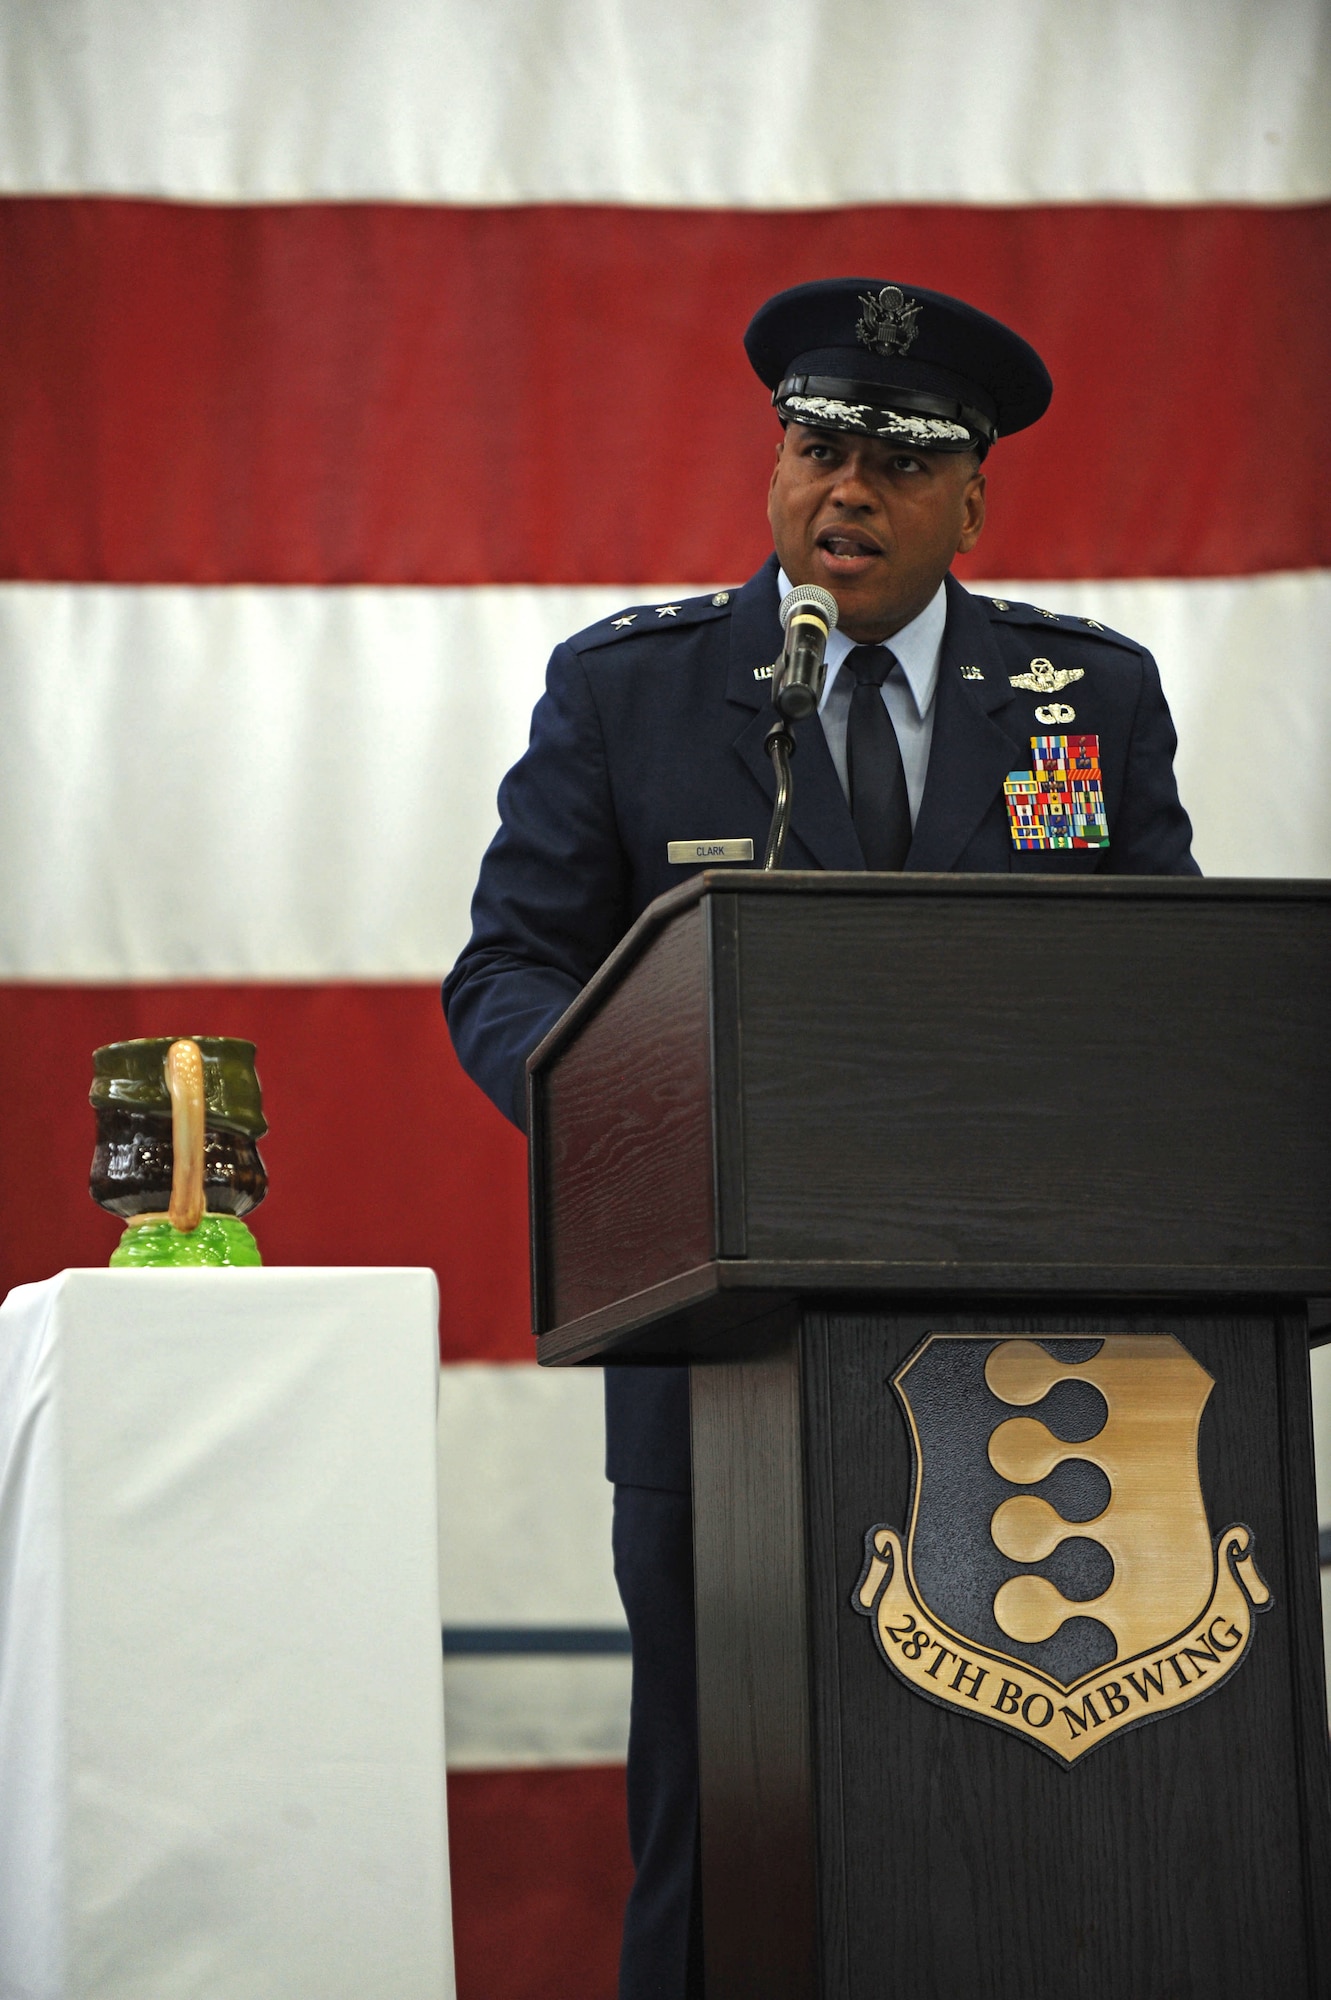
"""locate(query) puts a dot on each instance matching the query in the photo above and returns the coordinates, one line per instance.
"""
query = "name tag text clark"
(694, 851)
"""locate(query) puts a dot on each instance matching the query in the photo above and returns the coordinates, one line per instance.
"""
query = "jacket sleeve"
(1153, 834)
(551, 900)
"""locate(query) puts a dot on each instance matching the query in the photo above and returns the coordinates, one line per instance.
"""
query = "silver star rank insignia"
(618, 624)
(666, 610)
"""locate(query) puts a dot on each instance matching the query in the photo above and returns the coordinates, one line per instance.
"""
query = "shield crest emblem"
(1058, 1575)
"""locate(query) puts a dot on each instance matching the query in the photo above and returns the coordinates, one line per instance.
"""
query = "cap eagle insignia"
(887, 324)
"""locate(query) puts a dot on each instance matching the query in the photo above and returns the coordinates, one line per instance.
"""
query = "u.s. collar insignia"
(1045, 678)
(972, 673)
(887, 324)
(1064, 1591)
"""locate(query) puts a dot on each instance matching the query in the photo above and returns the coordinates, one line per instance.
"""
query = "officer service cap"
(895, 361)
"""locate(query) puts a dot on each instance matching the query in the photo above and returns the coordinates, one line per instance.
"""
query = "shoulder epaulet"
(671, 615)
(1072, 623)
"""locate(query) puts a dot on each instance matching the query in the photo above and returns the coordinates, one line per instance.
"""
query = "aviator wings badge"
(1045, 678)
(888, 323)
(1059, 1577)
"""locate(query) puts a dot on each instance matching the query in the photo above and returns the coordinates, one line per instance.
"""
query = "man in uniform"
(955, 733)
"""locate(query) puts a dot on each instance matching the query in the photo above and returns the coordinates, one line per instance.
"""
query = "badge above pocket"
(1059, 802)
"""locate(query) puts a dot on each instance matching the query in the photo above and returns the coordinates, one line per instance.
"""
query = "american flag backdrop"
(352, 352)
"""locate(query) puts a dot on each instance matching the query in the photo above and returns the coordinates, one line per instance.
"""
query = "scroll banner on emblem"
(1065, 1722)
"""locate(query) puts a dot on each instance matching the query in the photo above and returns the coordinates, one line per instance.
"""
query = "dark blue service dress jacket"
(651, 730)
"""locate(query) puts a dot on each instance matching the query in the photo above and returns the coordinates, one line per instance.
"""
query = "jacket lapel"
(970, 754)
(820, 820)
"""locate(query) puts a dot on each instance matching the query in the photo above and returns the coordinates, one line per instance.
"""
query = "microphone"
(808, 618)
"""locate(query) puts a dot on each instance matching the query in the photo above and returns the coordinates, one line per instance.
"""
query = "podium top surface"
(822, 1083)
(997, 892)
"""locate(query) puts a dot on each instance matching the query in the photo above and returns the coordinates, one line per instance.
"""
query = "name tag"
(696, 853)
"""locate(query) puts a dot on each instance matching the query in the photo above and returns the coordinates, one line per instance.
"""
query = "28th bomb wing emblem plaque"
(1058, 1577)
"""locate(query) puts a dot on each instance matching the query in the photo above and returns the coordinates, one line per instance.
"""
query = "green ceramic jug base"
(156, 1246)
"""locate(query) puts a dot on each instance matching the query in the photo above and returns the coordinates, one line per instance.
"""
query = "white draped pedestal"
(221, 1690)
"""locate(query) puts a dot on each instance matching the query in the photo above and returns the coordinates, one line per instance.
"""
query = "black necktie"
(879, 802)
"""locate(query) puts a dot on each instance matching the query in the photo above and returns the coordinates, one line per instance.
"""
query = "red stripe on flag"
(381, 1151)
(398, 394)
(541, 1873)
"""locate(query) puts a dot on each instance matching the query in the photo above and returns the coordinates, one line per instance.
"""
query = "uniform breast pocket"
(1056, 860)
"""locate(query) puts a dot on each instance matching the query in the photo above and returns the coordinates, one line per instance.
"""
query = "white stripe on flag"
(524, 1539)
(297, 783)
(674, 102)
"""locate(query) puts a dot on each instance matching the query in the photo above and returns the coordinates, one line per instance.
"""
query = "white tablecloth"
(221, 1698)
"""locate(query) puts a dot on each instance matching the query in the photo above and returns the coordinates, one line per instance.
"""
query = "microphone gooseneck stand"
(780, 747)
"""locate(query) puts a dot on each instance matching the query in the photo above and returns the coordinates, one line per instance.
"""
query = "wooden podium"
(987, 1210)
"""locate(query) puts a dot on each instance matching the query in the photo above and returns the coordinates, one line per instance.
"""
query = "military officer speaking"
(955, 732)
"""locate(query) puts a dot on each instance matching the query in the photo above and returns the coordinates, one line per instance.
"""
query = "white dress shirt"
(908, 692)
